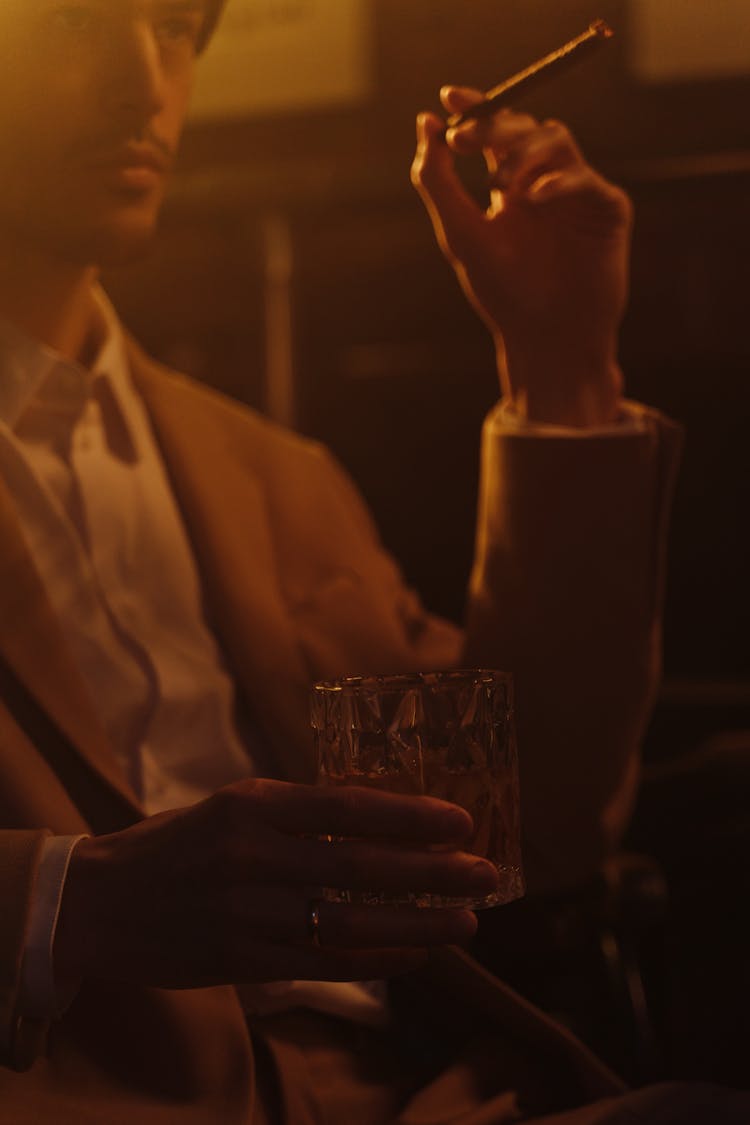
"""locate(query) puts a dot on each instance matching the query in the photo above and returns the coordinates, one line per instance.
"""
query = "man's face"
(93, 95)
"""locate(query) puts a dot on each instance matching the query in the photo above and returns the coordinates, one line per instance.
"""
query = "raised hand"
(546, 265)
(221, 892)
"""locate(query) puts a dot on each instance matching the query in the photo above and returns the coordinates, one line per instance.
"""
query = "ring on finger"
(313, 922)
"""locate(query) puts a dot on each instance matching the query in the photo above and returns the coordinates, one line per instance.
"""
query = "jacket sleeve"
(20, 855)
(566, 593)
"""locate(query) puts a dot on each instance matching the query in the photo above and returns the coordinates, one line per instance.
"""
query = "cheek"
(18, 147)
(30, 148)
(34, 175)
(39, 109)
(177, 105)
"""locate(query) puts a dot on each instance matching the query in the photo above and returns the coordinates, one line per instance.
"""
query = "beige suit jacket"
(565, 592)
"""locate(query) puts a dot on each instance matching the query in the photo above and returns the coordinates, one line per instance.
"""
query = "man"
(166, 599)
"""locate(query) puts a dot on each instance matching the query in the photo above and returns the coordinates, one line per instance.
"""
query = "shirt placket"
(101, 481)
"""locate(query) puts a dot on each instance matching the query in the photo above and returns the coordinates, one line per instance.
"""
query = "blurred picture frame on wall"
(689, 40)
(276, 56)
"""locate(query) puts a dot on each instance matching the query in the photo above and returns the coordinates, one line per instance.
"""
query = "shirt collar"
(25, 365)
(31, 373)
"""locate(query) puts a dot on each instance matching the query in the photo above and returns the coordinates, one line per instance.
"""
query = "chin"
(111, 248)
(110, 242)
(102, 230)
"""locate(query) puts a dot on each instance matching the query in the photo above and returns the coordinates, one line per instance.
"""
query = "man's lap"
(332, 1072)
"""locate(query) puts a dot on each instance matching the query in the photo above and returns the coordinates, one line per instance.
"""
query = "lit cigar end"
(602, 29)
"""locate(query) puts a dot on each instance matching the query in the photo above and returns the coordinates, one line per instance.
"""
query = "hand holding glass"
(440, 734)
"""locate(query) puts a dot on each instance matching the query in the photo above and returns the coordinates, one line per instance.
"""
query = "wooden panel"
(686, 348)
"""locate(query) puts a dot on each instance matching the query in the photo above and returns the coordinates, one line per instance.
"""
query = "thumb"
(456, 217)
(457, 99)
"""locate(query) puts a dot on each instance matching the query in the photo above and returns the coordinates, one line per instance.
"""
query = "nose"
(135, 88)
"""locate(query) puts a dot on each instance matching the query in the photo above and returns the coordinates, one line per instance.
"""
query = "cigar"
(550, 65)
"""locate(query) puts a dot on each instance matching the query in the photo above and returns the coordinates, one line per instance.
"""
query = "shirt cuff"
(43, 997)
(630, 420)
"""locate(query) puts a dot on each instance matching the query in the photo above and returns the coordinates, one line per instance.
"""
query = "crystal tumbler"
(443, 734)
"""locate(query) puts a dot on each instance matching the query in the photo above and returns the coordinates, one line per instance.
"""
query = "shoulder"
(195, 424)
(206, 415)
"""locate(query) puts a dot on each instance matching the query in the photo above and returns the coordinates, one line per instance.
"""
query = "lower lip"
(135, 177)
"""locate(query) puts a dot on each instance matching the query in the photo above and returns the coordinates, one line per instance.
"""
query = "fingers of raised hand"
(518, 149)
(456, 219)
(457, 99)
(601, 207)
(544, 151)
(496, 133)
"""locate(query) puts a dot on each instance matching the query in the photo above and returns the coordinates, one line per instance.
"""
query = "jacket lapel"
(204, 444)
(33, 646)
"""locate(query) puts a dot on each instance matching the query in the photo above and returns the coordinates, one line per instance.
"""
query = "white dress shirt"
(103, 528)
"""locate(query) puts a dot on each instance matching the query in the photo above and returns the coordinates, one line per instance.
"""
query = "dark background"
(313, 214)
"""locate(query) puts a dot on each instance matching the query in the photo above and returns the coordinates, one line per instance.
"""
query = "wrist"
(563, 388)
(76, 931)
(595, 403)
